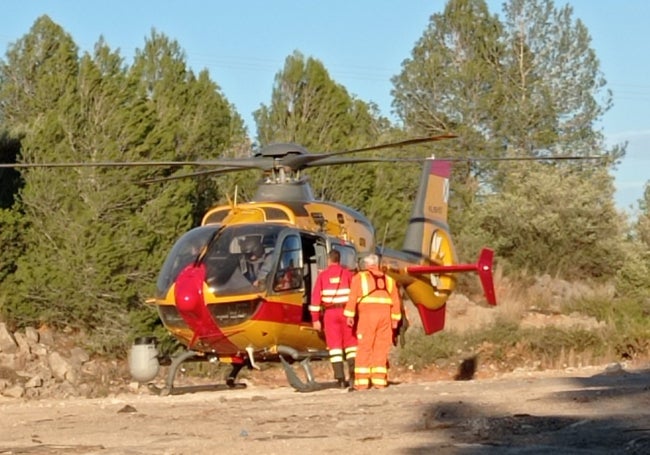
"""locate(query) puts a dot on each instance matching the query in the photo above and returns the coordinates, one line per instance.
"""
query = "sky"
(362, 43)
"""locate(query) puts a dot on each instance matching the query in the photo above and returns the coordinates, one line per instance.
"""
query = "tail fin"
(427, 234)
(428, 238)
(430, 208)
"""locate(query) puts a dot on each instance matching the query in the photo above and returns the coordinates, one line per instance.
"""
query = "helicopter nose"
(188, 289)
(190, 303)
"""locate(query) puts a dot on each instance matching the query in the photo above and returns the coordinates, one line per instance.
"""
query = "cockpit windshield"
(237, 260)
(185, 250)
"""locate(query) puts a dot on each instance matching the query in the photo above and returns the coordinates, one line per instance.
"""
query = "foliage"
(10, 178)
(524, 86)
(632, 279)
(94, 240)
(310, 109)
(619, 330)
(627, 331)
(193, 120)
(450, 84)
(624, 314)
(553, 219)
(642, 227)
(11, 225)
(552, 343)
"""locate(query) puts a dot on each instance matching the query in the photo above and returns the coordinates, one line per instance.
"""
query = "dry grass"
(539, 323)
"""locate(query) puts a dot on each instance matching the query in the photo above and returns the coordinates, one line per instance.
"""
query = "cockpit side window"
(240, 258)
(348, 256)
(289, 272)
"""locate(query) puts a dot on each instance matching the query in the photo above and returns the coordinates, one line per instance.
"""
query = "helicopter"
(223, 309)
(209, 300)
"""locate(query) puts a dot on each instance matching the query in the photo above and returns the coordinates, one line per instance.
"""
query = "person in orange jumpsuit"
(329, 296)
(376, 304)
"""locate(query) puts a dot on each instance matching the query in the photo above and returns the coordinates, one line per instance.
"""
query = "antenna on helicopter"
(383, 241)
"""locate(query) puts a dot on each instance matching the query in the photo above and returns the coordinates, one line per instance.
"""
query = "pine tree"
(11, 218)
(525, 87)
(95, 238)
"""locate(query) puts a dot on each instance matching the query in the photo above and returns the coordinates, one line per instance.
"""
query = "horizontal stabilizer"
(483, 267)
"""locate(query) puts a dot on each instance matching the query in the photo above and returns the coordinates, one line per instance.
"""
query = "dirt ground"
(590, 410)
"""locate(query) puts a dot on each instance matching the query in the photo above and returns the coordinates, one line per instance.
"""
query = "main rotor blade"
(239, 163)
(525, 158)
(102, 164)
(263, 163)
(298, 162)
(294, 161)
(193, 174)
(419, 140)
(340, 161)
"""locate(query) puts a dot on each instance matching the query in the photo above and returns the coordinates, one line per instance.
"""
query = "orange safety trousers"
(375, 338)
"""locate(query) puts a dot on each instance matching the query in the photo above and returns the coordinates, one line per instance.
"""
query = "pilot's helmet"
(252, 248)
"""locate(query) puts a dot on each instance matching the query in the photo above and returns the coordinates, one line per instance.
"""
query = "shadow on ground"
(575, 429)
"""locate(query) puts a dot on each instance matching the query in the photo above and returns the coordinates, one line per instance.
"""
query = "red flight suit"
(330, 294)
(374, 297)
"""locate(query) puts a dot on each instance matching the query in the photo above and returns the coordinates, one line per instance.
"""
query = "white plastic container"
(143, 359)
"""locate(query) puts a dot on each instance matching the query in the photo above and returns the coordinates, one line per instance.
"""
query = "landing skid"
(298, 384)
(176, 362)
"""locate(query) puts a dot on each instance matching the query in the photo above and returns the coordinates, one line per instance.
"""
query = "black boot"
(351, 371)
(339, 374)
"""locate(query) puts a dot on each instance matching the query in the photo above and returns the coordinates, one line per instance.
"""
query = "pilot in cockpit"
(257, 261)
